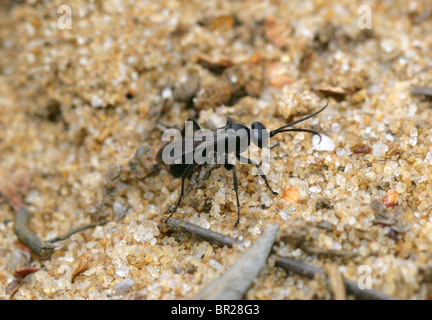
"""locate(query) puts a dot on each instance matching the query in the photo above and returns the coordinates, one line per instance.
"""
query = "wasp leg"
(184, 175)
(275, 145)
(196, 125)
(261, 173)
(229, 122)
(232, 167)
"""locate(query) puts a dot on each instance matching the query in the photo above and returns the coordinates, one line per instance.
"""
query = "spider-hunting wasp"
(186, 153)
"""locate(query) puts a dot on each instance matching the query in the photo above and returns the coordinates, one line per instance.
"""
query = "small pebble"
(326, 144)
(123, 286)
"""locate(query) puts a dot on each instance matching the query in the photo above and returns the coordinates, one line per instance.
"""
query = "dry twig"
(310, 271)
(202, 233)
(237, 280)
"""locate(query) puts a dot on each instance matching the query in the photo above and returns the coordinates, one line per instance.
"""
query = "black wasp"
(232, 134)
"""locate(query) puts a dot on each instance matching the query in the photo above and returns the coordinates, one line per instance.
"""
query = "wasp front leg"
(184, 175)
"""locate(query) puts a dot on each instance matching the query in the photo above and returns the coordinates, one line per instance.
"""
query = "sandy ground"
(76, 104)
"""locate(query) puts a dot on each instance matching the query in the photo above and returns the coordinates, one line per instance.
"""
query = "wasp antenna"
(281, 129)
(303, 130)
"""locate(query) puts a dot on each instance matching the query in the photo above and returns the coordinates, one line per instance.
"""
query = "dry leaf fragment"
(26, 271)
(291, 195)
(331, 91)
(361, 148)
(213, 64)
(82, 265)
(280, 81)
(222, 23)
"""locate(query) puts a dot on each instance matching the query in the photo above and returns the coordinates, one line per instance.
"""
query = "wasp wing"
(205, 144)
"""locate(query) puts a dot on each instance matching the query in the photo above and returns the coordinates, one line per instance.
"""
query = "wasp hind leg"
(260, 172)
(232, 167)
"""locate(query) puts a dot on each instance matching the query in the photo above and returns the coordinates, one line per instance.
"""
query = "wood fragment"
(236, 281)
(44, 249)
(425, 91)
(9, 189)
(202, 233)
(21, 227)
(336, 281)
(312, 250)
(310, 271)
(13, 287)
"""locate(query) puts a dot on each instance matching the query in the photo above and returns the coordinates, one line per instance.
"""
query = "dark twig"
(291, 265)
(76, 230)
(426, 91)
(22, 219)
(309, 271)
(44, 249)
(202, 233)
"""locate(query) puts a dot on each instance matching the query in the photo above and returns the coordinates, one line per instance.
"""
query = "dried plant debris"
(302, 236)
(310, 271)
(233, 284)
(21, 227)
(44, 249)
(312, 250)
(202, 233)
(83, 263)
(361, 148)
(336, 281)
(425, 91)
(214, 65)
(392, 218)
